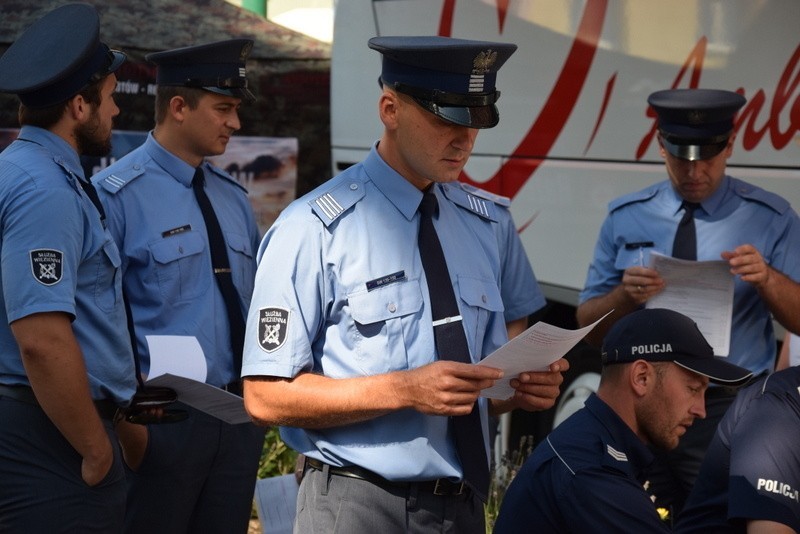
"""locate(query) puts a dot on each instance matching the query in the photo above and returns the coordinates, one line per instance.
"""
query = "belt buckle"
(439, 487)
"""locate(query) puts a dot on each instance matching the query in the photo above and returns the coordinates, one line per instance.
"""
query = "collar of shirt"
(61, 150)
(172, 164)
(639, 455)
(712, 203)
(392, 185)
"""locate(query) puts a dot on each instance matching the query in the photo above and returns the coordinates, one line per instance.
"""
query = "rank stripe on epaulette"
(478, 205)
(617, 455)
(115, 181)
(329, 206)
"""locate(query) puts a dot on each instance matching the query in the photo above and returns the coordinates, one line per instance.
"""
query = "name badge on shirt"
(399, 276)
(175, 231)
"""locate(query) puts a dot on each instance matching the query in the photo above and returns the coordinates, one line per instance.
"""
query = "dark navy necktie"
(685, 244)
(451, 344)
(222, 271)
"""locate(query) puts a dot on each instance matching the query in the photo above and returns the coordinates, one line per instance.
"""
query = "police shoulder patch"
(273, 328)
(46, 265)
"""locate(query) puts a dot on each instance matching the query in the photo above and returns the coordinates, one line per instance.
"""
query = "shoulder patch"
(479, 205)
(630, 198)
(331, 204)
(120, 178)
(754, 193)
(273, 327)
(46, 265)
(615, 454)
(478, 192)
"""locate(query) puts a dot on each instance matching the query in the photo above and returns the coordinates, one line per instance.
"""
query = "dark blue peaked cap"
(661, 335)
(452, 78)
(217, 67)
(695, 124)
(57, 56)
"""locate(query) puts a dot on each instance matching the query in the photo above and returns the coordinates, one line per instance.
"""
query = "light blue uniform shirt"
(57, 257)
(736, 214)
(340, 291)
(519, 289)
(167, 276)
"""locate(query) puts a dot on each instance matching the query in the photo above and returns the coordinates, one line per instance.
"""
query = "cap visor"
(119, 59)
(471, 117)
(694, 152)
(717, 370)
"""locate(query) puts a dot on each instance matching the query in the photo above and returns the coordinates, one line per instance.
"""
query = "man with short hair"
(188, 237)
(588, 474)
(374, 296)
(699, 213)
(66, 364)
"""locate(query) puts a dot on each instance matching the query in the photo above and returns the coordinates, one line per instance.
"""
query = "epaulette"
(121, 177)
(478, 192)
(225, 176)
(331, 204)
(630, 198)
(479, 205)
(754, 193)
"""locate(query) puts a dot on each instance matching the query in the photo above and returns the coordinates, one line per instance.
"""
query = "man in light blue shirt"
(755, 231)
(66, 365)
(198, 475)
(341, 341)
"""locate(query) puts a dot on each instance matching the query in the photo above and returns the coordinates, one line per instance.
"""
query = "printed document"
(702, 290)
(533, 350)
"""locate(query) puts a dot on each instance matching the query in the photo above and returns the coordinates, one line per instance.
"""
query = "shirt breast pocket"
(634, 257)
(243, 270)
(181, 266)
(378, 332)
(108, 285)
(482, 299)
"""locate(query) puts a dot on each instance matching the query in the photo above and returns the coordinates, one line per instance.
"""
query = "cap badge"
(246, 48)
(696, 117)
(484, 61)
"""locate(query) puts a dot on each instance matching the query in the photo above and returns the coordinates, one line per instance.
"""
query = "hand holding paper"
(533, 350)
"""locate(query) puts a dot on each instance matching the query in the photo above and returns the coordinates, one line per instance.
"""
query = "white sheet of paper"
(206, 398)
(177, 355)
(533, 350)
(701, 290)
(276, 503)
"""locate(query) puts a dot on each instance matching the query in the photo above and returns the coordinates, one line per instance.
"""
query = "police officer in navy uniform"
(196, 475)
(343, 345)
(588, 474)
(755, 231)
(66, 363)
(750, 479)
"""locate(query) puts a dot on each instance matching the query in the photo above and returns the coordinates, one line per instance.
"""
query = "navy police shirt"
(752, 468)
(587, 476)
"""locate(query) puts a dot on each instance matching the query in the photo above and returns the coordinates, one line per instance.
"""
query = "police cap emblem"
(46, 265)
(273, 326)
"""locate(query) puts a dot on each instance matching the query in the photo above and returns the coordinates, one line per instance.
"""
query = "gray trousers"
(329, 504)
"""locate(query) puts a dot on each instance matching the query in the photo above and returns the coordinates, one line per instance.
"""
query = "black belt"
(441, 486)
(105, 408)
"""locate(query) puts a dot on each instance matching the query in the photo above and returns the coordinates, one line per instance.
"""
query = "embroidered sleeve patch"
(46, 265)
(273, 326)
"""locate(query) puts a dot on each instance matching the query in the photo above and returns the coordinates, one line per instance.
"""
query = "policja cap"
(695, 124)
(452, 78)
(57, 56)
(217, 67)
(661, 335)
